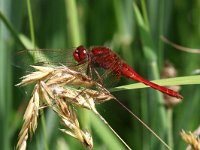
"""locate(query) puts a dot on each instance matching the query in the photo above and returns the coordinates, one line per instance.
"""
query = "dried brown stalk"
(168, 72)
(55, 88)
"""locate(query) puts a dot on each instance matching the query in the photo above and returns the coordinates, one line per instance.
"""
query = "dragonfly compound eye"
(80, 53)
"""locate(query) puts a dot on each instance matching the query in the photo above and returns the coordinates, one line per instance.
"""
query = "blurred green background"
(132, 29)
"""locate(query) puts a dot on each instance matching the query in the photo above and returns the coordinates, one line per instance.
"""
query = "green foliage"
(133, 30)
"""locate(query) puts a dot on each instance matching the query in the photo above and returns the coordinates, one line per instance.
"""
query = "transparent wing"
(55, 57)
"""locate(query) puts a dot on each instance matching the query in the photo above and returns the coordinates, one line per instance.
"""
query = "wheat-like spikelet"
(70, 120)
(30, 119)
(191, 139)
(42, 72)
(56, 88)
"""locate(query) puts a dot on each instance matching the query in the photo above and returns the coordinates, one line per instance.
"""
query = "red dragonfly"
(105, 58)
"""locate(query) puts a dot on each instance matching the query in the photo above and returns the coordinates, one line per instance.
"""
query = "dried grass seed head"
(54, 89)
(191, 139)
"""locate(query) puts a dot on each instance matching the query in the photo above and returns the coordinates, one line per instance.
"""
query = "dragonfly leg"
(100, 80)
(89, 71)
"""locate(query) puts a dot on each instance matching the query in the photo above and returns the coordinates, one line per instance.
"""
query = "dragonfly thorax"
(80, 54)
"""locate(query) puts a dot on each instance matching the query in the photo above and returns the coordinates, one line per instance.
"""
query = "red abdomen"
(128, 72)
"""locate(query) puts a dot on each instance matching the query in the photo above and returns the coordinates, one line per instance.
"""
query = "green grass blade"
(188, 80)
(31, 23)
(72, 16)
(11, 29)
(106, 135)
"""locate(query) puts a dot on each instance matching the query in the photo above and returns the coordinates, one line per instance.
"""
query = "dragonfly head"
(80, 53)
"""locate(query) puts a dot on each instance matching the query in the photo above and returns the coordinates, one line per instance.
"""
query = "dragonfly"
(90, 59)
(104, 57)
